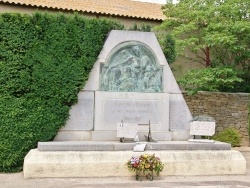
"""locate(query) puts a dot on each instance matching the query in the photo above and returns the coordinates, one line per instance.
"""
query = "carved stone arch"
(131, 67)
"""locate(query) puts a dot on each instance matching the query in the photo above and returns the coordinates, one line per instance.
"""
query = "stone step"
(128, 146)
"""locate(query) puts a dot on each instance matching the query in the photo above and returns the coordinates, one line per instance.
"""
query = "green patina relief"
(131, 67)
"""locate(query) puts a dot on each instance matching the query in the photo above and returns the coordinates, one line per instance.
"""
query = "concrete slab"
(40, 164)
(128, 146)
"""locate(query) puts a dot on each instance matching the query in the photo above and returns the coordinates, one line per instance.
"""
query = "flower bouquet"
(146, 164)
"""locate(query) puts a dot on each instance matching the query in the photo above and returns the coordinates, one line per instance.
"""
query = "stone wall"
(228, 109)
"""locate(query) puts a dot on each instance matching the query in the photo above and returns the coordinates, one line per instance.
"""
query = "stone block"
(61, 164)
(81, 114)
(73, 135)
(129, 145)
(112, 135)
(179, 114)
(181, 135)
(104, 136)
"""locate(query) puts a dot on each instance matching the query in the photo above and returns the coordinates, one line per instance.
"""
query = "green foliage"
(169, 48)
(215, 32)
(143, 27)
(44, 61)
(209, 79)
(229, 135)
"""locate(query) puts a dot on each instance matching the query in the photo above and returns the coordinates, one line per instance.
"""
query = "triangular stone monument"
(131, 82)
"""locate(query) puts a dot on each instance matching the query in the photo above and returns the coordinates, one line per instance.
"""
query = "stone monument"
(131, 82)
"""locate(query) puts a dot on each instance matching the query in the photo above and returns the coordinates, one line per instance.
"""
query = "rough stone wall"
(228, 109)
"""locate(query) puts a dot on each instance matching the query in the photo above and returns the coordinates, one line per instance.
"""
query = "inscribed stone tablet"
(202, 128)
(132, 111)
(131, 107)
(127, 130)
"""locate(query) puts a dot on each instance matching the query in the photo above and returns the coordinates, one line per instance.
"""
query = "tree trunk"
(207, 53)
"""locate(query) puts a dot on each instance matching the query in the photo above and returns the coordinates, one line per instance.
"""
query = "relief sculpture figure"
(131, 69)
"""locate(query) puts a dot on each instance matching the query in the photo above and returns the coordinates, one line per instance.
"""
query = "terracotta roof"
(127, 8)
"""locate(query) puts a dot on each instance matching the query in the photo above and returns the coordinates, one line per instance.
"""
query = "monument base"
(63, 164)
(107, 135)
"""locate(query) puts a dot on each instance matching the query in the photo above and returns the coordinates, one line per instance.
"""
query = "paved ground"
(16, 180)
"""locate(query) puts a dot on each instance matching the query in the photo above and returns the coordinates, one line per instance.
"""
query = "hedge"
(45, 59)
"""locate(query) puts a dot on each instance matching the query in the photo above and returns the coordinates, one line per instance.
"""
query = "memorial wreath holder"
(145, 164)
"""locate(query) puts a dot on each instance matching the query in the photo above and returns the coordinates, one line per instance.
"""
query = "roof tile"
(127, 8)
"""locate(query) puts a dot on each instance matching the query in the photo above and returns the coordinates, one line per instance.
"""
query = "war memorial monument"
(130, 100)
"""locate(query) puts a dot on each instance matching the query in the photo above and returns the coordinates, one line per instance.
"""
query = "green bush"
(229, 135)
(169, 50)
(44, 61)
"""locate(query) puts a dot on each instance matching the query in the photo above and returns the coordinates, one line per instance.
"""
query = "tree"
(216, 32)
(210, 79)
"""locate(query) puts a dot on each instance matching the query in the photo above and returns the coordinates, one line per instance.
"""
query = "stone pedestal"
(62, 164)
